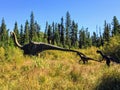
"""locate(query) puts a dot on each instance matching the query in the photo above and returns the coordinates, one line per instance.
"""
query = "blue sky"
(87, 13)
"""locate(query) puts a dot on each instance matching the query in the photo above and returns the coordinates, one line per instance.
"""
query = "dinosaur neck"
(69, 50)
(52, 47)
(16, 41)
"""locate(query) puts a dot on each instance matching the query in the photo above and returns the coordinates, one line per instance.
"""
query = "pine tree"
(76, 35)
(57, 35)
(116, 26)
(62, 38)
(100, 39)
(45, 33)
(82, 38)
(88, 39)
(74, 30)
(3, 33)
(21, 35)
(16, 30)
(32, 27)
(49, 33)
(37, 31)
(68, 27)
(106, 33)
(94, 39)
(26, 32)
(53, 33)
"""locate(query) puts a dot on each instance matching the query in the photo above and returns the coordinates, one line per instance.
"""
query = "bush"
(109, 81)
(113, 48)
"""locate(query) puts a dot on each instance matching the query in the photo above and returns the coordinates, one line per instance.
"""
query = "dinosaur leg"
(83, 61)
(108, 62)
(80, 60)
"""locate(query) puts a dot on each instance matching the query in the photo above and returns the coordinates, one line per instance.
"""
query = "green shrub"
(113, 48)
(109, 81)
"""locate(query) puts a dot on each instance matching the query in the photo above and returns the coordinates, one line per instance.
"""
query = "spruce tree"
(49, 33)
(106, 33)
(68, 29)
(16, 30)
(57, 35)
(26, 32)
(32, 27)
(53, 33)
(73, 34)
(62, 38)
(45, 33)
(74, 30)
(100, 39)
(116, 26)
(37, 32)
(94, 39)
(82, 38)
(21, 35)
(3, 33)
(88, 39)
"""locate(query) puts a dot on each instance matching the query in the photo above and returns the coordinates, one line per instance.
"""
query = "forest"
(64, 34)
(48, 70)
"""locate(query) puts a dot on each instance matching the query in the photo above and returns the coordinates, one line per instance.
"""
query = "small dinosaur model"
(84, 58)
(106, 57)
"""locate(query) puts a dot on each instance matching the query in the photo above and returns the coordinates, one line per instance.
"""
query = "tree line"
(64, 33)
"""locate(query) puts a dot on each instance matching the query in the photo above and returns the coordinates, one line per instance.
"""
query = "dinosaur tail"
(94, 60)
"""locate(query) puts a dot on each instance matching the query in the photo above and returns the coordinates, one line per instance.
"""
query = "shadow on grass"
(109, 81)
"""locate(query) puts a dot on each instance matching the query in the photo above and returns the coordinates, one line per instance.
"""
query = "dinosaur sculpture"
(33, 48)
(106, 57)
(85, 59)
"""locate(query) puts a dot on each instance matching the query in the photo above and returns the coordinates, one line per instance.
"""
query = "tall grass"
(55, 70)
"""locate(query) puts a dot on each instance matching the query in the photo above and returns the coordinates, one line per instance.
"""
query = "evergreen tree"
(49, 33)
(106, 33)
(62, 38)
(74, 29)
(45, 33)
(21, 35)
(68, 27)
(53, 33)
(3, 33)
(100, 39)
(76, 35)
(16, 31)
(32, 27)
(116, 26)
(82, 38)
(88, 39)
(94, 39)
(57, 35)
(26, 32)
(37, 31)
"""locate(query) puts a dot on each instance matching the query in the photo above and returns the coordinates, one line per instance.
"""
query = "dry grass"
(54, 70)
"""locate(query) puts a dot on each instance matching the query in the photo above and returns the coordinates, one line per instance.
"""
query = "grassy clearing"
(55, 70)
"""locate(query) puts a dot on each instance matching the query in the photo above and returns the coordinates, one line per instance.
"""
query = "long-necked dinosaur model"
(85, 58)
(106, 57)
(33, 48)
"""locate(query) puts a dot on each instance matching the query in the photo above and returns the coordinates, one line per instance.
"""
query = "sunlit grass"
(54, 70)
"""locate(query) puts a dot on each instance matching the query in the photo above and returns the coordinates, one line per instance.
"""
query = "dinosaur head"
(11, 34)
